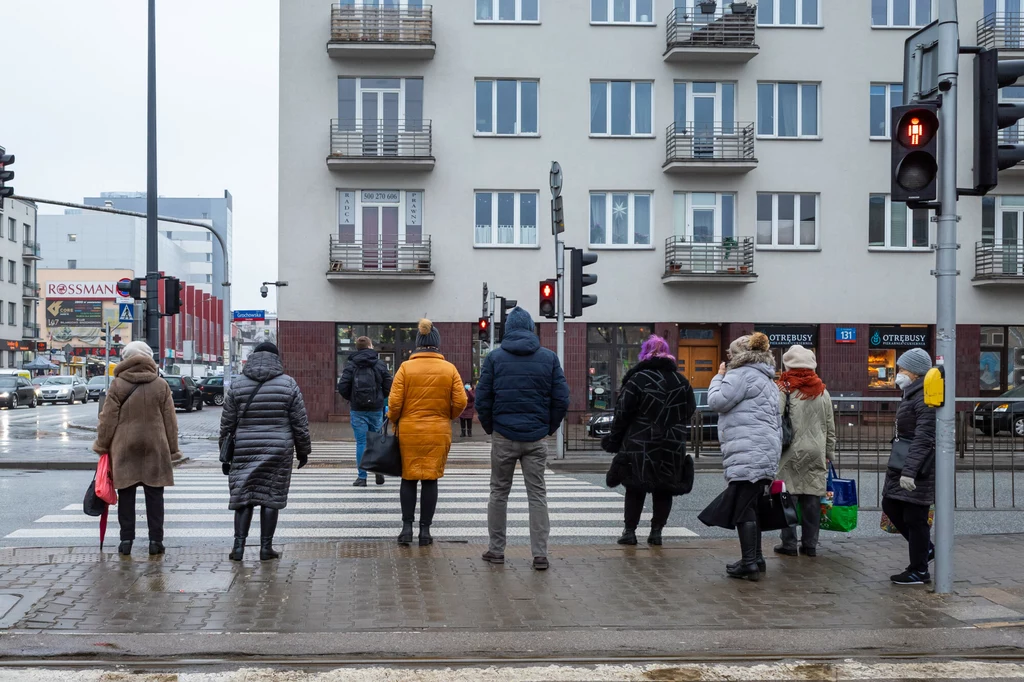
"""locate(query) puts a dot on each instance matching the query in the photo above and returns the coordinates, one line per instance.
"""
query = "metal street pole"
(946, 275)
(490, 326)
(560, 330)
(152, 234)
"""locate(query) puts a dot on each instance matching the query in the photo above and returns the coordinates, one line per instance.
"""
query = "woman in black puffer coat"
(266, 407)
(652, 418)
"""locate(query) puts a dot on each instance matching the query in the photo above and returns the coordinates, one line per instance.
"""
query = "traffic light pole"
(152, 233)
(946, 276)
(560, 330)
(490, 326)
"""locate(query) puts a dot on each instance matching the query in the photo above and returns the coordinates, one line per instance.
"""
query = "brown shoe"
(492, 558)
(540, 563)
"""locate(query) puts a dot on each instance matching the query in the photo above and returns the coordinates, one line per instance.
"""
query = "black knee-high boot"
(268, 525)
(747, 568)
(243, 519)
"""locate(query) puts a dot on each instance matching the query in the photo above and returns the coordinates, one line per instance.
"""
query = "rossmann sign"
(80, 290)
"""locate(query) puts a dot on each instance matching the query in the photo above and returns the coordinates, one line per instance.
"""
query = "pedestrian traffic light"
(5, 174)
(483, 328)
(504, 305)
(547, 298)
(915, 166)
(136, 287)
(174, 291)
(579, 260)
(991, 116)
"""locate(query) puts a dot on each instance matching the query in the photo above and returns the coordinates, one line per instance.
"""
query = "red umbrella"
(105, 491)
(103, 525)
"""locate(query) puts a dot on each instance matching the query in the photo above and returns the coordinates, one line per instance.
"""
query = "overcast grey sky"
(73, 109)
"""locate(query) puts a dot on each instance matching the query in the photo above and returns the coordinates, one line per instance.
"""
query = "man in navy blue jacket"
(521, 399)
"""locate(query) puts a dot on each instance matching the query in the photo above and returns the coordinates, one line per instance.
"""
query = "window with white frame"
(893, 225)
(506, 107)
(622, 11)
(787, 221)
(621, 108)
(704, 217)
(620, 218)
(788, 110)
(505, 219)
(883, 99)
(507, 11)
(376, 216)
(901, 13)
(789, 13)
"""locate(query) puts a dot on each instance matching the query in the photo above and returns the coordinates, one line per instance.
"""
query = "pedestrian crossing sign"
(125, 312)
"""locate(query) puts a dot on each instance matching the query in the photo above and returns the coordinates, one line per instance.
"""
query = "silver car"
(64, 389)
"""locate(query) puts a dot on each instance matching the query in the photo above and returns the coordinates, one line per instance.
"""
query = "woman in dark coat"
(265, 407)
(652, 418)
(910, 488)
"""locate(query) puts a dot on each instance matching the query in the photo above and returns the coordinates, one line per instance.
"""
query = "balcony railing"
(723, 259)
(999, 262)
(1002, 30)
(387, 25)
(30, 331)
(692, 35)
(30, 290)
(31, 250)
(405, 257)
(710, 144)
(373, 143)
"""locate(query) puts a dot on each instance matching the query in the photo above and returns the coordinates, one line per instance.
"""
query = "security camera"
(264, 291)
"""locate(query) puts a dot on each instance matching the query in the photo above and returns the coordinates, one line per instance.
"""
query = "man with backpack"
(365, 383)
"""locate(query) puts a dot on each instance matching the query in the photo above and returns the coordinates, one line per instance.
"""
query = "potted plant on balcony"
(707, 6)
(742, 8)
(675, 266)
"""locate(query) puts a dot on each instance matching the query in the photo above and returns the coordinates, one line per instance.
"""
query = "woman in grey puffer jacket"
(750, 430)
(266, 410)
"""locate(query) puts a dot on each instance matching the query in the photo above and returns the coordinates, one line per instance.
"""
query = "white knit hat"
(136, 348)
(798, 357)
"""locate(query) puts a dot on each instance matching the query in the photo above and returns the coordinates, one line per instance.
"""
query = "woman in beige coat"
(139, 429)
(804, 464)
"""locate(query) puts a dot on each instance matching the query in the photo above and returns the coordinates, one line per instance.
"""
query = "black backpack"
(365, 388)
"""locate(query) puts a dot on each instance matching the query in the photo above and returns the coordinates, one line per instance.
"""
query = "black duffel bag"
(382, 454)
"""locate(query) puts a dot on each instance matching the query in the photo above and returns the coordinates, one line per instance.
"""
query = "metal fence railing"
(998, 261)
(409, 255)
(30, 331)
(725, 258)
(1002, 30)
(718, 29)
(372, 138)
(366, 24)
(30, 249)
(30, 290)
(720, 141)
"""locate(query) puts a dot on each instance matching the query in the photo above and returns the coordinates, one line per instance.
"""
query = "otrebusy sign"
(84, 290)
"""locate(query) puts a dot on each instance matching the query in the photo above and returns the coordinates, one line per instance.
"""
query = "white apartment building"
(728, 161)
(19, 288)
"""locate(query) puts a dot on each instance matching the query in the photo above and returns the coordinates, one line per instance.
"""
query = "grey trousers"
(810, 520)
(532, 458)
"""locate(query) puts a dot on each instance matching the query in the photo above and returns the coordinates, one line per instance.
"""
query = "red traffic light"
(917, 128)
(483, 323)
(547, 298)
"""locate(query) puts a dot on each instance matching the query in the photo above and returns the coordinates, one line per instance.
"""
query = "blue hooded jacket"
(522, 393)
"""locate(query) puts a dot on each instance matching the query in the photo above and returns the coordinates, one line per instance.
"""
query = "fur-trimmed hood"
(752, 357)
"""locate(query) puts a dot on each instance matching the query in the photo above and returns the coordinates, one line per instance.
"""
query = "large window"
(704, 217)
(787, 110)
(12, 314)
(393, 342)
(1002, 360)
(12, 226)
(622, 11)
(883, 99)
(621, 108)
(787, 221)
(704, 105)
(620, 219)
(377, 106)
(892, 225)
(507, 11)
(506, 107)
(506, 219)
(789, 13)
(611, 351)
(901, 13)
(376, 216)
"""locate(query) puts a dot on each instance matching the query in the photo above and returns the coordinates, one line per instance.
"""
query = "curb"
(93, 429)
(89, 465)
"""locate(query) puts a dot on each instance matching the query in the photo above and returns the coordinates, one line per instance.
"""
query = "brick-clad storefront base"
(843, 366)
(575, 358)
(307, 350)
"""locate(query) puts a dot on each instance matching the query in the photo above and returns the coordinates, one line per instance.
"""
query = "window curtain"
(598, 233)
(620, 219)
(643, 108)
(787, 110)
(642, 219)
(599, 108)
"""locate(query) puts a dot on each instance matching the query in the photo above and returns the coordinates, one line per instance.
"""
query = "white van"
(23, 373)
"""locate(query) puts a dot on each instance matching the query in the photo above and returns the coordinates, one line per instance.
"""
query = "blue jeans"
(363, 423)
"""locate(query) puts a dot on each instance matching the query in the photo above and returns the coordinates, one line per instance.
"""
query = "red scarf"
(803, 380)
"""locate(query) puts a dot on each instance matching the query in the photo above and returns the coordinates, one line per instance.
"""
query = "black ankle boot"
(761, 565)
(425, 538)
(405, 537)
(267, 551)
(238, 550)
(746, 568)
(655, 537)
(125, 548)
(628, 537)
(155, 548)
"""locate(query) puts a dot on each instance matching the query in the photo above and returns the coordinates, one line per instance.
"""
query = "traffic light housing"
(174, 295)
(557, 216)
(504, 305)
(548, 307)
(6, 175)
(578, 261)
(136, 288)
(915, 152)
(483, 329)
(991, 116)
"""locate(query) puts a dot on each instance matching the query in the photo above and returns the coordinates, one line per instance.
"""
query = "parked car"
(15, 391)
(213, 390)
(1005, 414)
(186, 393)
(600, 423)
(64, 389)
(96, 387)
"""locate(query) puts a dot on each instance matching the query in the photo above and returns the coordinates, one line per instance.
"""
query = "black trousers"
(154, 512)
(634, 507)
(911, 520)
(467, 425)
(428, 501)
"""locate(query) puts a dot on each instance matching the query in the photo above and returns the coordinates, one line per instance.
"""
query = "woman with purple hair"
(652, 418)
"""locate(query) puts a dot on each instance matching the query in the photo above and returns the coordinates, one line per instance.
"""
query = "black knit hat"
(266, 347)
(428, 335)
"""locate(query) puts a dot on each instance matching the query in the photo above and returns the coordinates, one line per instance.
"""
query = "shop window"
(886, 344)
(783, 336)
(612, 350)
(1001, 360)
(394, 343)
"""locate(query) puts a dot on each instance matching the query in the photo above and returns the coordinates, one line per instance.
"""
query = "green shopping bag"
(839, 506)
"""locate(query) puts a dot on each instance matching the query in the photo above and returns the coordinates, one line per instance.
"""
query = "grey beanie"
(916, 360)
(427, 335)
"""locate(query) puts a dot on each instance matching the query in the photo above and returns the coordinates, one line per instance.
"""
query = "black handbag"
(787, 426)
(382, 454)
(92, 505)
(775, 511)
(899, 452)
(227, 447)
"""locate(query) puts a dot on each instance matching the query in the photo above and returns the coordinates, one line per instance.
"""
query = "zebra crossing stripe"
(369, 533)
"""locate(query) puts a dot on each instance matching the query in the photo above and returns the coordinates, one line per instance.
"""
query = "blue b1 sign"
(249, 315)
(846, 335)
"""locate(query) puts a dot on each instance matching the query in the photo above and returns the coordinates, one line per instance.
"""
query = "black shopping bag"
(775, 511)
(382, 455)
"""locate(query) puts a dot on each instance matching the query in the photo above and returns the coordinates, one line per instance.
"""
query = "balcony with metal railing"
(30, 290)
(722, 148)
(371, 144)
(381, 32)
(712, 35)
(31, 250)
(996, 264)
(1003, 31)
(400, 259)
(728, 260)
(30, 331)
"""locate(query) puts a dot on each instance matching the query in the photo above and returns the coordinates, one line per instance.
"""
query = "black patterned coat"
(652, 419)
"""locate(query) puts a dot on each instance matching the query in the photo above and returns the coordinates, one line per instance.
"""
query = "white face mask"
(903, 381)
